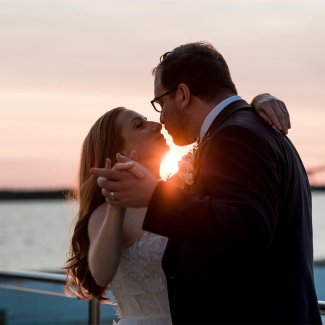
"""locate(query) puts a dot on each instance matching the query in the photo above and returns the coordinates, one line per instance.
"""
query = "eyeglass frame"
(159, 97)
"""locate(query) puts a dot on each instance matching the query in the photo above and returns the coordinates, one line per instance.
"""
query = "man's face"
(171, 116)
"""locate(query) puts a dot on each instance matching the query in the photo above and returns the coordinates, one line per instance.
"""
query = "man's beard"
(181, 135)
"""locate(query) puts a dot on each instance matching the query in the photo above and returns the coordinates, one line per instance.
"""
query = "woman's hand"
(273, 111)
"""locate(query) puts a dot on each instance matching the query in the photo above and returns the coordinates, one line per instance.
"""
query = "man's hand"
(273, 111)
(127, 184)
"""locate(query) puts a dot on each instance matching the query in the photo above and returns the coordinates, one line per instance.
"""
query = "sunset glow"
(169, 165)
(65, 63)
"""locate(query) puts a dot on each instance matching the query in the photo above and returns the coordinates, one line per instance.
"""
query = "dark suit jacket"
(240, 241)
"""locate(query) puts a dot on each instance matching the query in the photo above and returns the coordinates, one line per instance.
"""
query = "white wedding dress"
(139, 284)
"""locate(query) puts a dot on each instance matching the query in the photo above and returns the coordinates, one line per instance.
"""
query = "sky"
(63, 63)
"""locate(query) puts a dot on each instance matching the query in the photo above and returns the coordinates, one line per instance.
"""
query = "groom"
(240, 238)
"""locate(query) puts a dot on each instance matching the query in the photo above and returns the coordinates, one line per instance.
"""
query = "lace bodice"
(139, 284)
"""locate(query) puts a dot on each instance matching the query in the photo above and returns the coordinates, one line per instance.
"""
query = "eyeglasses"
(154, 102)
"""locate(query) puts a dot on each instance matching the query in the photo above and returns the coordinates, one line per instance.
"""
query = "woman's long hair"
(103, 141)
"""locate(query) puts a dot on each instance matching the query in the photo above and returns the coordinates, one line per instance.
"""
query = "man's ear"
(183, 95)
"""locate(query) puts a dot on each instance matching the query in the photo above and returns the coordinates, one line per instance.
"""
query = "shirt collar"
(214, 113)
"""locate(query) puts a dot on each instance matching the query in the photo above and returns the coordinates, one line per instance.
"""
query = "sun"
(169, 165)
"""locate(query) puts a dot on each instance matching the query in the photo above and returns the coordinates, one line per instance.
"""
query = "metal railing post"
(94, 312)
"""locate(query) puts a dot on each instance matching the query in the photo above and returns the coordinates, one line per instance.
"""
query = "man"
(240, 238)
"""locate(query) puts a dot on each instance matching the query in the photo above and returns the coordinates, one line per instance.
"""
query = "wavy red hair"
(103, 141)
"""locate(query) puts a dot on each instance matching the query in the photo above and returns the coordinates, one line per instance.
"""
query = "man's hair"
(198, 65)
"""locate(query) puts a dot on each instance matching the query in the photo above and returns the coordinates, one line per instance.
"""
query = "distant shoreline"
(35, 195)
(63, 194)
(318, 188)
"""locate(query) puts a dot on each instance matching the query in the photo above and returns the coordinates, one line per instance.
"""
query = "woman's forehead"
(129, 115)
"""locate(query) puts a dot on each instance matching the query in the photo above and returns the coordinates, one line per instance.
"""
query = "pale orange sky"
(64, 63)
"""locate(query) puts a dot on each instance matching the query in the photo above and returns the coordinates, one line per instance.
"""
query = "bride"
(109, 249)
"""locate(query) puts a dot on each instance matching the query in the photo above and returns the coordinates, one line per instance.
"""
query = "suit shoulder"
(248, 121)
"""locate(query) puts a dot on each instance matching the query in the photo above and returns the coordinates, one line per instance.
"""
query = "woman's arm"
(105, 234)
(273, 111)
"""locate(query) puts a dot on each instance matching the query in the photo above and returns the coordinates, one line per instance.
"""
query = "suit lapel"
(219, 120)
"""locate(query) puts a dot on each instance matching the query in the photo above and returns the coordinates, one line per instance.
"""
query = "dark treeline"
(317, 188)
(62, 194)
(35, 195)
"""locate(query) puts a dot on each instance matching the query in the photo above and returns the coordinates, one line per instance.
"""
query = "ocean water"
(34, 235)
(318, 199)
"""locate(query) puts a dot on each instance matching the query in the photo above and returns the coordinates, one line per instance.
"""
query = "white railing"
(93, 305)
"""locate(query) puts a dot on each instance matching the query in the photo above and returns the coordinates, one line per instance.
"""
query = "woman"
(112, 248)
(109, 249)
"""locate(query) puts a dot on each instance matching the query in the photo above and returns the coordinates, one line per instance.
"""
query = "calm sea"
(34, 235)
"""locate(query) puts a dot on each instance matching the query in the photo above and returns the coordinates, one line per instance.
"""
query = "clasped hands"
(127, 183)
